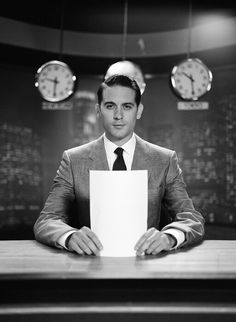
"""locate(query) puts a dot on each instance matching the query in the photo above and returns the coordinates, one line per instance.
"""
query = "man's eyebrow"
(109, 102)
(132, 103)
(124, 103)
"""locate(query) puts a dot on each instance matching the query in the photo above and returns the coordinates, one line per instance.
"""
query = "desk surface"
(213, 259)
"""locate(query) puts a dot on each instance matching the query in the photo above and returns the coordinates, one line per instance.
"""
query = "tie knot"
(119, 151)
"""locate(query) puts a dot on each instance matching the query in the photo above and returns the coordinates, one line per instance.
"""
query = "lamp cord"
(61, 31)
(189, 28)
(125, 29)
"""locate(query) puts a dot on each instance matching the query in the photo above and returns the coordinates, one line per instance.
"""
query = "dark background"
(33, 138)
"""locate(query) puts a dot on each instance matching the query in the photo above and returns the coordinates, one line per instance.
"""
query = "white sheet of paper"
(118, 209)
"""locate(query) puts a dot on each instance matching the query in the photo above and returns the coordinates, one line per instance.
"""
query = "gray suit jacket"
(67, 205)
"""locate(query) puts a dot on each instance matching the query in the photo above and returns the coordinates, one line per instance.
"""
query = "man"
(119, 106)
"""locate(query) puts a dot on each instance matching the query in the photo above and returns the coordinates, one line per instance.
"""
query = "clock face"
(55, 81)
(191, 79)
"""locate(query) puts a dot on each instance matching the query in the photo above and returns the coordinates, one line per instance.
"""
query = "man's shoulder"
(84, 149)
(155, 148)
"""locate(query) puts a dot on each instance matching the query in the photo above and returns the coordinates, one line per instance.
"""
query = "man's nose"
(118, 113)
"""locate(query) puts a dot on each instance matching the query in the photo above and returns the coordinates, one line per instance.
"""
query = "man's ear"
(140, 111)
(98, 110)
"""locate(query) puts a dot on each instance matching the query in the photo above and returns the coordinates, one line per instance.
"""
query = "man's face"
(118, 112)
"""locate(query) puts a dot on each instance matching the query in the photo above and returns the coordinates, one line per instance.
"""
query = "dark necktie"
(119, 163)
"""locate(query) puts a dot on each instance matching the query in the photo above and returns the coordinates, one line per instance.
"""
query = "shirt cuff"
(177, 234)
(62, 240)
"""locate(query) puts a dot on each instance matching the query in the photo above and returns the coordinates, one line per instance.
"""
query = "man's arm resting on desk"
(177, 235)
(180, 207)
(53, 220)
(155, 241)
(64, 239)
(82, 241)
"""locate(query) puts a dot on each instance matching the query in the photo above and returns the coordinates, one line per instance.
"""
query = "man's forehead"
(118, 92)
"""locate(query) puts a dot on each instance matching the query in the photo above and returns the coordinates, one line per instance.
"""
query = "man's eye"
(109, 106)
(128, 107)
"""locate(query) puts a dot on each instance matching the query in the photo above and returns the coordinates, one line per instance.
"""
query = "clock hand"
(192, 81)
(192, 85)
(55, 82)
(193, 92)
(191, 78)
(50, 79)
(188, 76)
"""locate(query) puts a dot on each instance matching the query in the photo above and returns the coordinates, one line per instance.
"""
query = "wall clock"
(191, 79)
(55, 81)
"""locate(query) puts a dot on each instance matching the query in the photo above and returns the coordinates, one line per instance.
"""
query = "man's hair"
(120, 80)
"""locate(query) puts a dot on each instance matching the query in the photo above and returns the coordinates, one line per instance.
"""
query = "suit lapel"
(97, 157)
(141, 160)
(145, 159)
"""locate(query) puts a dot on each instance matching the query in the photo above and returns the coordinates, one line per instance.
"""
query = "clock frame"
(55, 81)
(191, 79)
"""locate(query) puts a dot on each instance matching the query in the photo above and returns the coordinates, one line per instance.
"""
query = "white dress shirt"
(128, 154)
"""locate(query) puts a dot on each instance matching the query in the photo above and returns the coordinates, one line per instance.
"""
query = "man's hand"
(153, 242)
(84, 241)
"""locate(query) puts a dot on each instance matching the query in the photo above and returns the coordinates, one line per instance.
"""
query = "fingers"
(84, 241)
(154, 248)
(93, 237)
(77, 244)
(138, 247)
(152, 242)
(161, 243)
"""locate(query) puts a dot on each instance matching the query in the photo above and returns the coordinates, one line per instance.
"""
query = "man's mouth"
(118, 126)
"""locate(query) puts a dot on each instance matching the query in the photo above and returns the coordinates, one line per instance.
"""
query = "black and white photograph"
(118, 161)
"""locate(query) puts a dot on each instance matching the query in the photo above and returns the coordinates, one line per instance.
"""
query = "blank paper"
(118, 209)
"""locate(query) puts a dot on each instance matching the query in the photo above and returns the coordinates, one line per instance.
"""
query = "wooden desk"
(39, 282)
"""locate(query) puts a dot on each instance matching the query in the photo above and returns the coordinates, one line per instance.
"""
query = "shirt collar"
(128, 146)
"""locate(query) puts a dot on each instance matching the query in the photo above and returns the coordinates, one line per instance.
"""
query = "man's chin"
(119, 132)
(119, 137)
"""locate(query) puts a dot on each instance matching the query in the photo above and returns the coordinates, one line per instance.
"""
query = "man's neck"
(120, 142)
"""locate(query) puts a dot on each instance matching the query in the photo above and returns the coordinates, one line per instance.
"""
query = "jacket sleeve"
(53, 220)
(180, 207)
